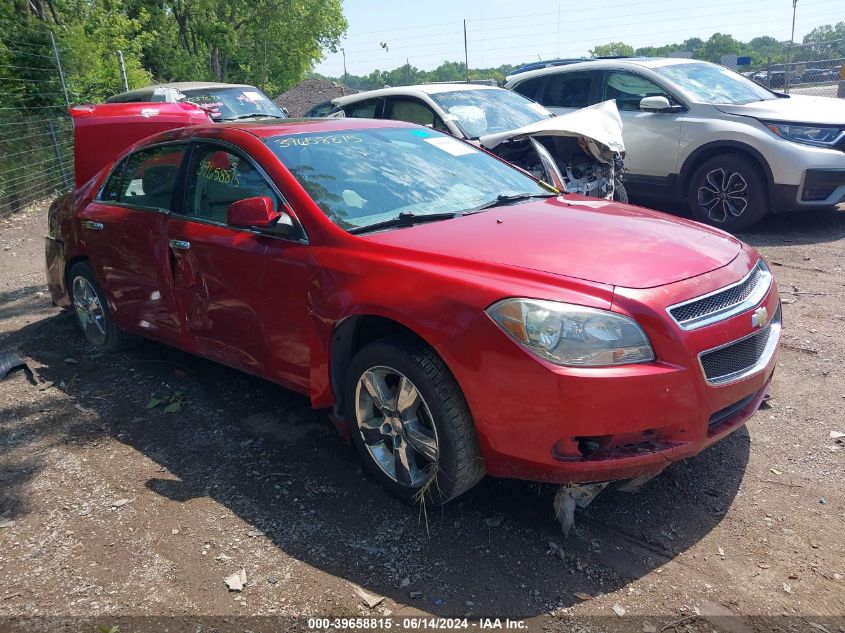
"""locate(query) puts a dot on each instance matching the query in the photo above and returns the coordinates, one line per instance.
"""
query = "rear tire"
(92, 311)
(420, 444)
(728, 192)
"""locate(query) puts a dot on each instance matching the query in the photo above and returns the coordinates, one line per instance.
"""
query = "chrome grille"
(737, 359)
(723, 303)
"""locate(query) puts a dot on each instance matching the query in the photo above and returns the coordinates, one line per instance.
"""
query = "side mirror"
(252, 213)
(658, 103)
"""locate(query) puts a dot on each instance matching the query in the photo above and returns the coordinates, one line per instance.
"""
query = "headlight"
(807, 134)
(572, 335)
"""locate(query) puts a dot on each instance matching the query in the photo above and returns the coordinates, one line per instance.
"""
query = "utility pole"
(466, 54)
(557, 51)
(343, 87)
(787, 74)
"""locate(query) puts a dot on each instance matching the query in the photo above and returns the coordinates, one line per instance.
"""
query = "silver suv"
(699, 132)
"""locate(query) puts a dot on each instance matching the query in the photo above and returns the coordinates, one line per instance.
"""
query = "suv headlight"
(807, 134)
(572, 335)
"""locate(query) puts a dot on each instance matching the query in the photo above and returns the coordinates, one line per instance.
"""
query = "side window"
(363, 110)
(413, 111)
(111, 190)
(530, 88)
(628, 89)
(568, 90)
(217, 178)
(147, 178)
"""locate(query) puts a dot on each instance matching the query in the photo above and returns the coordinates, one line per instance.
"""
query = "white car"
(581, 152)
(699, 132)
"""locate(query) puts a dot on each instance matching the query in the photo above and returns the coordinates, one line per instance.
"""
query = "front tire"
(410, 423)
(92, 311)
(728, 192)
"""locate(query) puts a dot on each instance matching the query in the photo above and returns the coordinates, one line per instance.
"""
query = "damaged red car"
(458, 316)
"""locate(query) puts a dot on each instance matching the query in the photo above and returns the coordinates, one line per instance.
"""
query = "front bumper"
(534, 419)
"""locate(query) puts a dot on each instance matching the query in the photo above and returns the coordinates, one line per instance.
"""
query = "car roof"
(181, 86)
(595, 64)
(277, 127)
(415, 91)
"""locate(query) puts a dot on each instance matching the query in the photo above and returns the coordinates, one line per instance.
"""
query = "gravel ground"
(308, 93)
(112, 509)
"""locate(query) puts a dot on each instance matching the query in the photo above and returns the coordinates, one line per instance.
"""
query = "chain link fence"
(36, 136)
(811, 69)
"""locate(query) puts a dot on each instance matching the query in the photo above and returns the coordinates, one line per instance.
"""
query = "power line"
(591, 40)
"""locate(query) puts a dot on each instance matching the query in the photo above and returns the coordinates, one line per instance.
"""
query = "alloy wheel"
(396, 426)
(89, 310)
(723, 194)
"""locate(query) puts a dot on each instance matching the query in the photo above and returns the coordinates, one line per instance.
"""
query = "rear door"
(567, 91)
(368, 109)
(412, 110)
(241, 293)
(123, 232)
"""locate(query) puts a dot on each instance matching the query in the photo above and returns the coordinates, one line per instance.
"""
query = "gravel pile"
(308, 93)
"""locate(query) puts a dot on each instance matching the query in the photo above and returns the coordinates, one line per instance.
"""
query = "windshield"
(233, 103)
(710, 83)
(362, 177)
(480, 112)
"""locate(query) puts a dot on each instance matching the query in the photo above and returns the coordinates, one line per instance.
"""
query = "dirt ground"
(111, 509)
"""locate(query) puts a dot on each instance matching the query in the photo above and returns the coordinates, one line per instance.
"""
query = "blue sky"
(500, 31)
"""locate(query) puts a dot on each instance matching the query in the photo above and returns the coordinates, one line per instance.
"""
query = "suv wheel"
(410, 423)
(728, 192)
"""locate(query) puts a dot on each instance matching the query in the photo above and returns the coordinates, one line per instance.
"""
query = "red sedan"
(459, 316)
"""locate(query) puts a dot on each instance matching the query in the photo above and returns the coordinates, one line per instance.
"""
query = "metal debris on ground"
(370, 599)
(568, 497)
(9, 361)
(619, 610)
(237, 581)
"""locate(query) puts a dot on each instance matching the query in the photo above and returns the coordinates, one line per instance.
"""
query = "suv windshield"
(710, 83)
(480, 112)
(228, 104)
(368, 176)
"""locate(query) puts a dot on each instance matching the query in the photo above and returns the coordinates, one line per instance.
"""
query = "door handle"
(93, 226)
(180, 245)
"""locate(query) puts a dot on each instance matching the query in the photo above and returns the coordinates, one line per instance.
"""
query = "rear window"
(568, 90)
(146, 178)
(530, 88)
(229, 104)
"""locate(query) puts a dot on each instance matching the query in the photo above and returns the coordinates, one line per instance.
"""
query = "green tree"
(719, 44)
(613, 49)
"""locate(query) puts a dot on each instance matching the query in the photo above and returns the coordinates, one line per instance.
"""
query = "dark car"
(224, 102)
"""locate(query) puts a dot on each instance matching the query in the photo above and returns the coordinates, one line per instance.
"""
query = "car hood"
(600, 122)
(795, 109)
(586, 238)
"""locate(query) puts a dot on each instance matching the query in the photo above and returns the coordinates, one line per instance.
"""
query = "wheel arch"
(73, 261)
(715, 148)
(350, 335)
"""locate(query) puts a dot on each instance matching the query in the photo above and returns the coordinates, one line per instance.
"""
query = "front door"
(651, 138)
(235, 293)
(124, 229)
